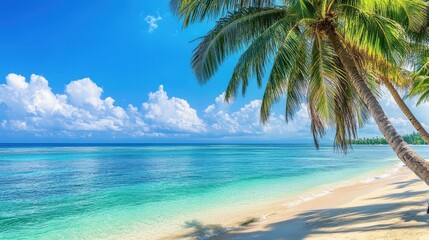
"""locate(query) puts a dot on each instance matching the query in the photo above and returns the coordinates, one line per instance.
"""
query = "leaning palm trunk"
(410, 158)
(404, 108)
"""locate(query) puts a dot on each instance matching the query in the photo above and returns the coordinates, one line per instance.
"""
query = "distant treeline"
(413, 138)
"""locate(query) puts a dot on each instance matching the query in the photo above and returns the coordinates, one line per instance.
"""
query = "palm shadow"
(201, 231)
(403, 184)
(333, 220)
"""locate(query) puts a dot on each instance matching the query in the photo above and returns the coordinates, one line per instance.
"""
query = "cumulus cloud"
(85, 92)
(246, 120)
(172, 114)
(153, 22)
(31, 107)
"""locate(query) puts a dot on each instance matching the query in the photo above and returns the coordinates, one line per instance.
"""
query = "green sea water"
(149, 191)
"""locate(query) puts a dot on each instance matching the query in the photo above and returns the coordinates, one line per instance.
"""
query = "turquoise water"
(96, 192)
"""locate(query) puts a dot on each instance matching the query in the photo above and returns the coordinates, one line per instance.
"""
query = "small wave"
(385, 174)
(328, 189)
(308, 197)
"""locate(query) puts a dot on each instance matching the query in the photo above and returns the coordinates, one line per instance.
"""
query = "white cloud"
(172, 114)
(34, 107)
(16, 81)
(81, 109)
(153, 22)
(31, 107)
(245, 121)
(85, 92)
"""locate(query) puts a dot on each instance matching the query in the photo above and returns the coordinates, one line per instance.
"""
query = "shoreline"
(290, 213)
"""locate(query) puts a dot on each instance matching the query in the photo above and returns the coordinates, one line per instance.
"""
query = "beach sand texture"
(387, 208)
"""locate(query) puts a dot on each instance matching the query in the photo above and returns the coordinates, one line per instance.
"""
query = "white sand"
(389, 208)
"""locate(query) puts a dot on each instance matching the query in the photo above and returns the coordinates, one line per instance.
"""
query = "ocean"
(150, 191)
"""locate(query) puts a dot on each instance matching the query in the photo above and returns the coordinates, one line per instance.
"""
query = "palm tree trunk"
(410, 158)
(404, 108)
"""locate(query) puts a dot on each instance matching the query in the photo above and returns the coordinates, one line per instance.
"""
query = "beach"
(393, 207)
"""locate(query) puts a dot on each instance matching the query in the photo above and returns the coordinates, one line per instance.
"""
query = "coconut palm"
(393, 77)
(421, 81)
(421, 87)
(406, 110)
(308, 46)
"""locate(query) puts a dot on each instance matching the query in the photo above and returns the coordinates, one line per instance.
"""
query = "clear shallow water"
(103, 191)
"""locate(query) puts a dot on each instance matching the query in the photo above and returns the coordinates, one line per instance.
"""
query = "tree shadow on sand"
(403, 184)
(327, 221)
(210, 231)
(201, 231)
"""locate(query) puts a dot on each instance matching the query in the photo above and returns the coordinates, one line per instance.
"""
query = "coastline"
(388, 203)
(210, 190)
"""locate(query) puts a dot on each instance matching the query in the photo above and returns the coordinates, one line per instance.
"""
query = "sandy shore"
(392, 207)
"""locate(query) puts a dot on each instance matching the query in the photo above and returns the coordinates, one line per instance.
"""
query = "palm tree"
(307, 43)
(406, 110)
(421, 83)
(421, 87)
(389, 76)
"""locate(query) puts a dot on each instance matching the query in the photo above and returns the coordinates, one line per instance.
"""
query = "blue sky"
(106, 70)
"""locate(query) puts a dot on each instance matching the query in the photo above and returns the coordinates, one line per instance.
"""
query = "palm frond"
(380, 37)
(230, 35)
(409, 13)
(320, 91)
(420, 88)
(191, 11)
(252, 63)
(286, 75)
